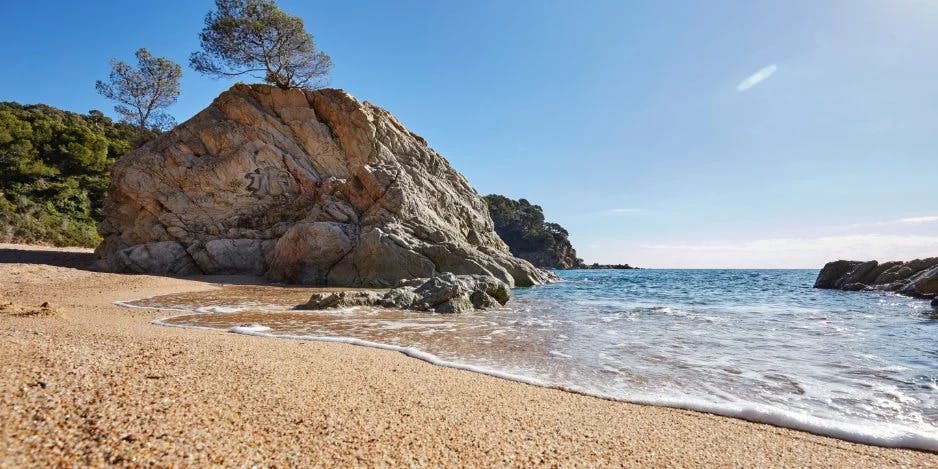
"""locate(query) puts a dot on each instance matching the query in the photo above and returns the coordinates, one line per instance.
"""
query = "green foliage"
(521, 225)
(55, 171)
(144, 90)
(255, 37)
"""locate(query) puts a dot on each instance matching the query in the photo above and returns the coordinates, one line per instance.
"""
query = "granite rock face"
(445, 293)
(310, 187)
(917, 278)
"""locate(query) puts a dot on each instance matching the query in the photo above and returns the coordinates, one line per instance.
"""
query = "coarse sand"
(86, 382)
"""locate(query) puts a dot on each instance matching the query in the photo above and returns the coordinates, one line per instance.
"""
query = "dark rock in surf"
(917, 278)
(833, 272)
(445, 293)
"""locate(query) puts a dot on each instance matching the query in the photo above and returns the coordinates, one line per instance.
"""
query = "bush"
(55, 171)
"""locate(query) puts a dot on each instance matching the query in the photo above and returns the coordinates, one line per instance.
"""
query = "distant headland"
(547, 245)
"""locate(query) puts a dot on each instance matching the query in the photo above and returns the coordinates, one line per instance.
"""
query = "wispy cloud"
(791, 252)
(917, 220)
(788, 244)
(756, 78)
(619, 211)
(901, 221)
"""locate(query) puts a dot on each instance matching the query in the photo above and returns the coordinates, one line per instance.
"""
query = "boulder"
(303, 186)
(917, 278)
(229, 256)
(904, 272)
(919, 265)
(160, 258)
(832, 272)
(445, 293)
(873, 276)
(857, 275)
(889, 274)
(343, 299)
(924, 283)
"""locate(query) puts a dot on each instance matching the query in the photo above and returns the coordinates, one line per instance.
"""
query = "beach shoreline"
(90, 382)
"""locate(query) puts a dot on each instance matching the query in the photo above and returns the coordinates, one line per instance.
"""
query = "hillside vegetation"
(54, 172)
(522, 226)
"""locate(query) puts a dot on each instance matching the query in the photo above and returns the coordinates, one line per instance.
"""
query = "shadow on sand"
(53, 257)
(85, 261)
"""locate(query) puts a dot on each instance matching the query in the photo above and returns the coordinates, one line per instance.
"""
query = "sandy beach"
(86, 382)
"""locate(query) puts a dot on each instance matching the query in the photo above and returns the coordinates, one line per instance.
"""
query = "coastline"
(92, 382)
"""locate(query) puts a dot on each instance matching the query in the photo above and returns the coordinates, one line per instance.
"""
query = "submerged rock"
(342, 299)
(310, 187)
(917, 278)
(445, 293)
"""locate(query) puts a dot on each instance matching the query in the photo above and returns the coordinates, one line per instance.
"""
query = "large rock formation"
(309, 187)
(918, 278)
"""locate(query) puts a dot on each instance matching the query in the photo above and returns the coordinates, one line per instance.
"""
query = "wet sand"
(86, 382)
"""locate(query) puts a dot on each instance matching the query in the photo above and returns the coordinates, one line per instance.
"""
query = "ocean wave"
(773, 351)
(884, 434)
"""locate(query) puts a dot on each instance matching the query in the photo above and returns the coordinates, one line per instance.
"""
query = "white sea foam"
(881, 435)
(220, 309)
(249, 328)
(391, 325)
(857, 370)
(130, 304)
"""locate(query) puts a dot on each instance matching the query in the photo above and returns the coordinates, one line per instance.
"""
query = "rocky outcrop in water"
(310, 187)
(918, 278)
(445, 293)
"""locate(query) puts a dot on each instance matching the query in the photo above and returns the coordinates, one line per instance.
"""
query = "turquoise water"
(757, 344)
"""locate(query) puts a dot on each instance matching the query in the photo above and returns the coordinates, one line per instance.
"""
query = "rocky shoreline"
(917, 278)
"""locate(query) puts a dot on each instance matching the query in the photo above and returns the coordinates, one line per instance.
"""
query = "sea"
(760, 345)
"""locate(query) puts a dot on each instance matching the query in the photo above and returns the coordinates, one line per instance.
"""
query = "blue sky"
(664, 134)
